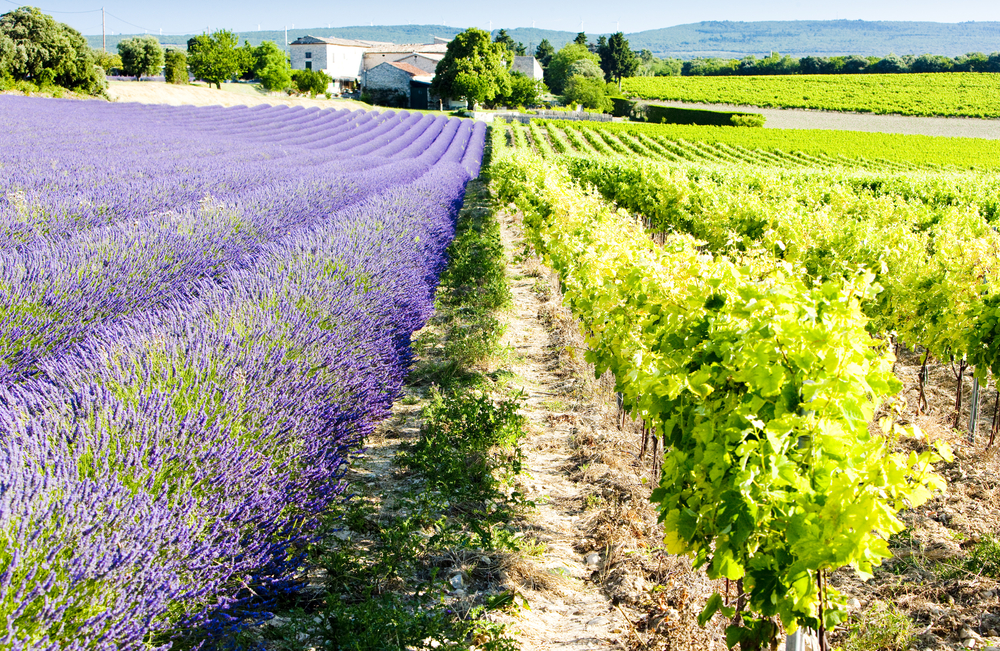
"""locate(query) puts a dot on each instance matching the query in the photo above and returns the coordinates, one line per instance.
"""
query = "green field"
(968, 94)
(918, 151)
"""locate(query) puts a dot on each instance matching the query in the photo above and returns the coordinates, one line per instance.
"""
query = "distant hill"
(820, 37)
(729, 39)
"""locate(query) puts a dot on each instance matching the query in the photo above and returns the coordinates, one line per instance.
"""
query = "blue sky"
(190, 16)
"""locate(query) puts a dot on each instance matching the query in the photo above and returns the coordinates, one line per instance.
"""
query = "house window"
(309, 65)
(309, 55)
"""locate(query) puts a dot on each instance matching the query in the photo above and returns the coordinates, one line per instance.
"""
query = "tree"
(141, 56)
(544, 52)
(7, 52)
(107, 60)
(314, 82)
(889, 65)
(270, 66)
(621, 60)
(855, 64)
(557, 74)
(524, 91)
(175, 68)
(585, 68)
(35, 42)
(473, 68)
(932, 63)
(589, 92)
(215, 58)
(581, 39)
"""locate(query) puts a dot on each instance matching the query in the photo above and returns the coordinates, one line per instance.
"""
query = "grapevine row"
(760, 386)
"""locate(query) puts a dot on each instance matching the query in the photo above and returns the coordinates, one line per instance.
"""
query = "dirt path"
(571, 611)
(836, 121)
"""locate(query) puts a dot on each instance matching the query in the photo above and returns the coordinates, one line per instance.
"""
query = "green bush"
(32, 42)
(175, 68)
(314, 82)
(747, 120)
(678, 115)
(589, 92)
(621, 107)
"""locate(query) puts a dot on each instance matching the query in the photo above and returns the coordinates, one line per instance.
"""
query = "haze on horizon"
(591, 16)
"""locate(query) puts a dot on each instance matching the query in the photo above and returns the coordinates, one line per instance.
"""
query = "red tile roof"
(411, 70)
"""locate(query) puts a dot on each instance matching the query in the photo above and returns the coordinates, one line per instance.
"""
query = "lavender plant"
(186, 368)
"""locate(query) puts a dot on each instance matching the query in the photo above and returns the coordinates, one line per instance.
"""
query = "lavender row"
(55, 294)
(167, 467)
(52, 212)
(95, 184)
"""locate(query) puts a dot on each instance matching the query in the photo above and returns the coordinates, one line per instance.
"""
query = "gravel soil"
(837, 121)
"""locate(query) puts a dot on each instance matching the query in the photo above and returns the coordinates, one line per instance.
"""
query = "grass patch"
(881, 627)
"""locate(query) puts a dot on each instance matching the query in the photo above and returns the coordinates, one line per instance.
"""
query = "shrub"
(314, 82)
(591, 93)
(175, 69)
(747, 120)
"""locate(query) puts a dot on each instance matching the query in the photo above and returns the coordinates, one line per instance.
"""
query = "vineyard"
(967, 94)
(749, 301)
(205, 325)
(199, 324)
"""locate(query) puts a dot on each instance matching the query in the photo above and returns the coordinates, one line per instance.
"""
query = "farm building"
(340, 58)
(347, 60)
(528, 66)
(399, 84)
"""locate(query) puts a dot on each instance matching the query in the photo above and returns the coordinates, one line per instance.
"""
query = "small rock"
(986, 594)
(485, 560)
(967, 633)
(593, 558)
(456, 582)
(302, 637)
(598, 621)
(969, 643)
(853, 603)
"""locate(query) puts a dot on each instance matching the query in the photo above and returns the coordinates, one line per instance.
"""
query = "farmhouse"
(399, 84)
(347, 60)
(528, 66)
(393, 74)
(340, 58)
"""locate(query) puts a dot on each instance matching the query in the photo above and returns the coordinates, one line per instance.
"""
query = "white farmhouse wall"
(338, 61)
(344, 62)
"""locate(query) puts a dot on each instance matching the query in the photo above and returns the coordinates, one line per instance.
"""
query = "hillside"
(731, 39)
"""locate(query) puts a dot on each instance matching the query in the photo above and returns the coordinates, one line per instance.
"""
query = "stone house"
(399, 84)
(528, 66)
(421, 55)
(347, 60)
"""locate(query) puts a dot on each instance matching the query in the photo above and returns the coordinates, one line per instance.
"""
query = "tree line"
(776, 64)
(581, 72)
(216, 58)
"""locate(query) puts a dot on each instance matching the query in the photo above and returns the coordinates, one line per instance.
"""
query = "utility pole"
(104, 34)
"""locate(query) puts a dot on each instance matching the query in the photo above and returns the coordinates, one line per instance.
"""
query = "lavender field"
(203, 311)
